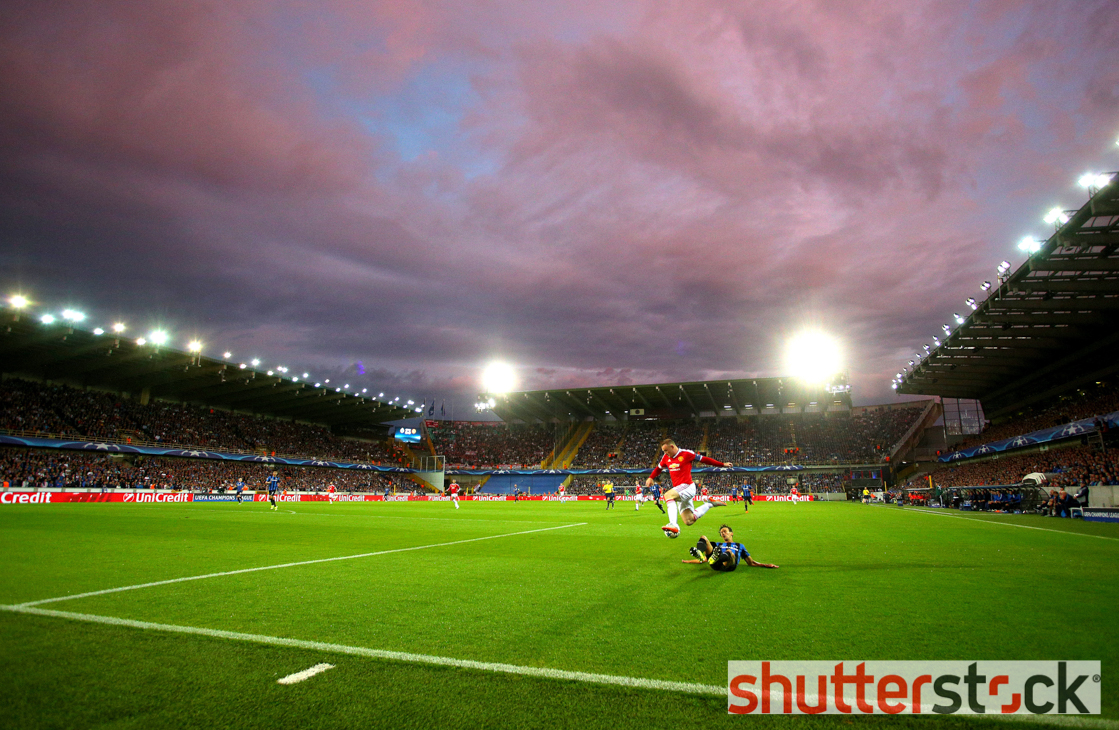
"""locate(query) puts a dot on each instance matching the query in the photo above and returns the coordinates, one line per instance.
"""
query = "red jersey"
(330, 489)
(679, 467)
(453, 489)
(637, 490)
(793, 491)
(703, 491)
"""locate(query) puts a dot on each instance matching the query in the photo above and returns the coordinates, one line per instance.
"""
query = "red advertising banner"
(148, 497)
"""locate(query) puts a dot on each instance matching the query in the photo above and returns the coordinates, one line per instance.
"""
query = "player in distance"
(794, 495)
(330, 491)
(678, 463)
(273, 483)
(452, 491)
(723, 556)
(608, 490)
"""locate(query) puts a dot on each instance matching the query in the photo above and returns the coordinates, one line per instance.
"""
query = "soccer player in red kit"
(794, 495)
(703, 492)
(453, 492)
(678, 463)
(330, 491)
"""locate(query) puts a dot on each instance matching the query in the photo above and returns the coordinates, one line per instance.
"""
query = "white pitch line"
(400, 656)
(284, 565)
(713, 690)
(1008, 524)
(305, 674)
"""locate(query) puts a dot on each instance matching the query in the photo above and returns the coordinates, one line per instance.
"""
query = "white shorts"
(685, 493)
(454, 497)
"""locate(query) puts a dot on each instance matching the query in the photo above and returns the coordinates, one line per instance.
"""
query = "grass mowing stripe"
(285, 565)
(1075, 721)
(1010, 524)
(305, 674)
(688, 687)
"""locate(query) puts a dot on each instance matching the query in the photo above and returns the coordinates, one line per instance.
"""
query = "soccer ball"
(670, 533)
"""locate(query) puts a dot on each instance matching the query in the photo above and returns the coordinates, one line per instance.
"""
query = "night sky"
(598, 193)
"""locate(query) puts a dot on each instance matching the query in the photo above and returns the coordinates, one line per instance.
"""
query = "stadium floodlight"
(141, 341)
(306, 375)
(947, 328)
(926, 347)
(958, 318)
(255, 361)
(158, 337)
(72, 315)
(419, 410)
(1091, 180)
(327, 380)
(47, 319)
(1056, 216)
(1029, 244)
(98, 331)
(411, 402)
(269, 372)
(119, 327)
(380, 395)
(227, 355)
(318, 385)
(365, 390)
(337, 390)
(396, 399)
(970, 301)
(910, 363)
(1004, 266)
(346, 386)
(295, 379)
(18, 301)
(936, 341)
(813, 356)
(242, 366)
(498, 378)
(491, 403)
(985, 286)
(194, 346)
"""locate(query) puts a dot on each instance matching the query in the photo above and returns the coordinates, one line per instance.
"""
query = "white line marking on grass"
(1008, 524)
(286, 565)
(711, 690)
(400, 656)
(305, 674)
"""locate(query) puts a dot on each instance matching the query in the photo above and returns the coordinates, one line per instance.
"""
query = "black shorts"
(610, 497)
(726, 562)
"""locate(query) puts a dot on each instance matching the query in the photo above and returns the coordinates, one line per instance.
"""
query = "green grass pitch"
(607, 596)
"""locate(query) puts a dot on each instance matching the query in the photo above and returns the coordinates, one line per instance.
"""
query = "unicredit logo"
(26, 497)
(180, 497)
(947, 688)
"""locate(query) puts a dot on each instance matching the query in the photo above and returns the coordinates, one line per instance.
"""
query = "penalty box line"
(29, 604)
(711, 690)
(400, 656)
(1007, 524)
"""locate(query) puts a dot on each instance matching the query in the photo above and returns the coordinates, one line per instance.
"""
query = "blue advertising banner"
(1068, 430)
(113, 448)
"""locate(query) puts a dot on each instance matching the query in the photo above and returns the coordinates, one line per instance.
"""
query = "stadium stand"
(46, 469)
(1093, 400)
(1068, 467)
(31, 408)
(490, 445)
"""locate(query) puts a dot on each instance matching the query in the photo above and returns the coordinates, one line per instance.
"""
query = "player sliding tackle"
(678, 463)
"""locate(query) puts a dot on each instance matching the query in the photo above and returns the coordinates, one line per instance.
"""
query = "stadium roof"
(61, 353)
(669, 400)
(1046, 328)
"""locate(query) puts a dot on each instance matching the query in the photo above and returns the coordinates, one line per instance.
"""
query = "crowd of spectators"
(601, 449)
(59, 410)
(720, 484)
(1070, 467)
(492, 445)
(825, 438)
(42, 469)
(1095, 400)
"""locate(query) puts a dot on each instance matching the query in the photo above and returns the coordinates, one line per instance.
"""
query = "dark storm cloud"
(650, 191)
